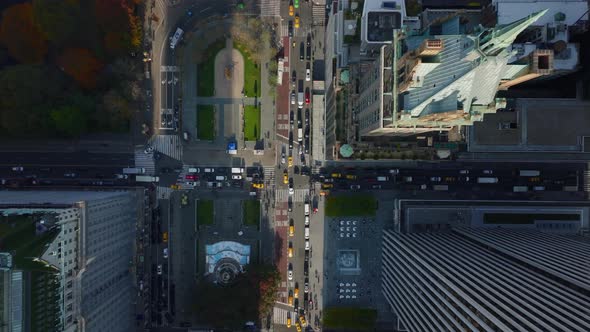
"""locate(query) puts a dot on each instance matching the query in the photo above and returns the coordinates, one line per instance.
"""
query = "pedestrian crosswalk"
(318, 15)
(296, 32)
(163, 192)
(300, 195)
(280, 316)
(145, 160)
(586, 181)
(169, 145)
(269, 175)
(270, 8)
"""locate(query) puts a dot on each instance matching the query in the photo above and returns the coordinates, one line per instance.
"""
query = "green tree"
(21, 35)
(58, 19)
(69, 121)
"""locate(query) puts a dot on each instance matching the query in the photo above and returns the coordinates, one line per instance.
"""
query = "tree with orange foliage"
(81, 65)
(121, 29)
(21, 35)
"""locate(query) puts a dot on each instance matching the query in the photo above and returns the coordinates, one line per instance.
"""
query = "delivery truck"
(487, 180)
(134, 170)
(146, 178)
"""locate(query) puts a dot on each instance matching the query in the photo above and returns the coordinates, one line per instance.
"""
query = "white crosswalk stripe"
(145, 160)
(270, 8)
(282, 195)
(163, 192)
(586, 181)
(269, 175)
(280, 316)
(169, 145)
(318, 15)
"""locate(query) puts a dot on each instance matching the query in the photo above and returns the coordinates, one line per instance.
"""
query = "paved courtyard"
(352, 260)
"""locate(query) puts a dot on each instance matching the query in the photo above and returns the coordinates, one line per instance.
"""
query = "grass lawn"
(251, 73)
(251, 212)
(205, 69)
(351, 205)
(357, 319)
(205, 213)
(206, 122)
(251, 123)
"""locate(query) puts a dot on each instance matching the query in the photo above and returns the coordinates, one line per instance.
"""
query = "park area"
(251, 212)
(361, 205)
(251, 72)
(206, 122)
(349, 319)
(251, 123)
(206, 68)
(205, 213)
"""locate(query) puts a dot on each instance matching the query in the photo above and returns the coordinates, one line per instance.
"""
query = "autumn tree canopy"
(58, 19)
(21, 34)
(81, 65)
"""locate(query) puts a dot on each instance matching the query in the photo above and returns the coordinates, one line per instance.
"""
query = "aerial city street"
(295, 165)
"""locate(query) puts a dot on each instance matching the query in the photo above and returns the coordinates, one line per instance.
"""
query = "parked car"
(159, 269)
(18, 168)
(70, 175)
(165, 253)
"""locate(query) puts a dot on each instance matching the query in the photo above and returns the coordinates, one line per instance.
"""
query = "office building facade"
(91, 253)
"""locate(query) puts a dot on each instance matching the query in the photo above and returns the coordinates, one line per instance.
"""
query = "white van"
(221, 178)
(209, 170)
(306, 209)
(307, 232)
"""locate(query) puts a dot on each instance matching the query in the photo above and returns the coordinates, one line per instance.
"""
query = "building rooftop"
(380, 18)
(558, 11)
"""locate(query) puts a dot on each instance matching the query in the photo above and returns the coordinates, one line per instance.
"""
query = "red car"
(307, 96)
(192, 177)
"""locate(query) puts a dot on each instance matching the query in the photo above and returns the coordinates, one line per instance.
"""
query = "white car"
(306, 220)
(290, 275)
(307, 245)
(192, 184)
(488, 171)
(464, 171)
(159, 269)
(435, 179)
(18, 168)
(165, 253)
(291, 191)
(293, 98)
(148, 150)
(236, 177)
(308, 75)
(121, 176)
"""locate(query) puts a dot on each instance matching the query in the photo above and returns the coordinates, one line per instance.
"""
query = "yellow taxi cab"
(296, 21)
(351, 177)
(291, 10)
(174, 186)
(534, 179)
(298, 326)
(324, 192)
(285, 178)
(290, 298)
(327, 185)
(290, 251)
(290, 160)
(291, 228)
(336, 175)
(296, 292)
(165, 237)
(302, 320)
(258, 185)
(288, 321)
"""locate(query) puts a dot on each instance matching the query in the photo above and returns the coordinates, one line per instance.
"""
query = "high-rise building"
(74, 260)
(436, 78)
(504, 268)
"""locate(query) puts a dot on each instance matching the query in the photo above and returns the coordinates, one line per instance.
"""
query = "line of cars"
(293, 297)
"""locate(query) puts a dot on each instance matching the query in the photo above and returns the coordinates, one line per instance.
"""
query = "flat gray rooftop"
(543, 125)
